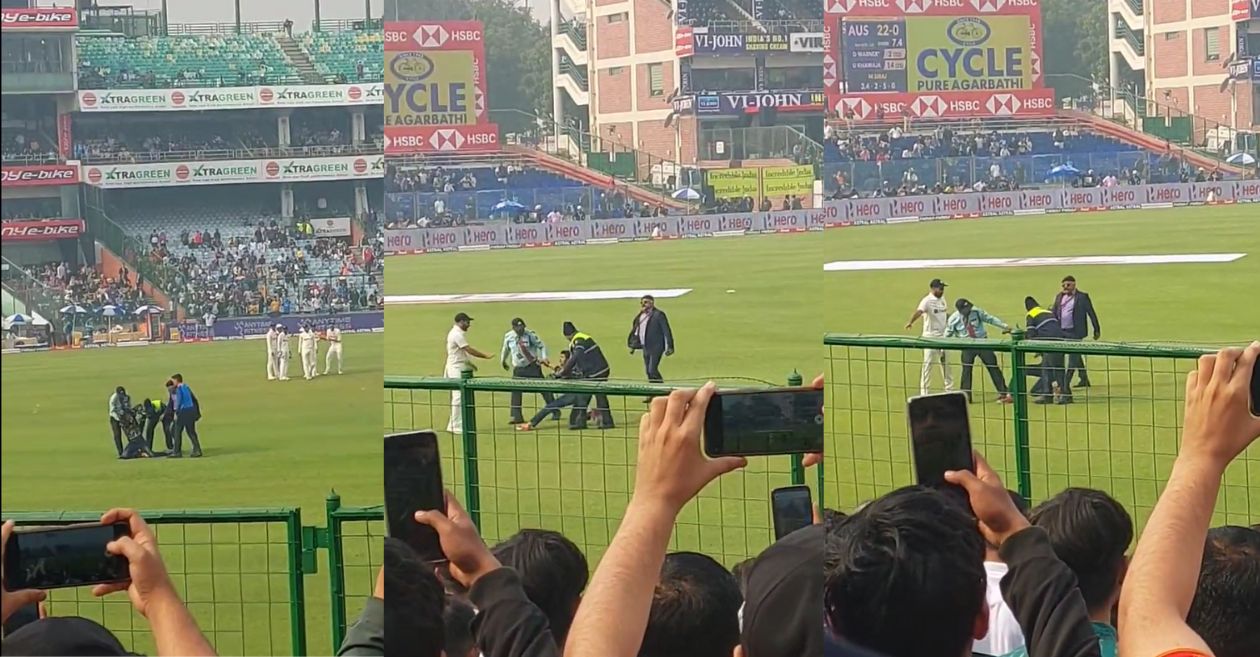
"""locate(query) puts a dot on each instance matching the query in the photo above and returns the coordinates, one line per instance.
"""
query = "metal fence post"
(468, 408)
(794, 380)
(1019, 379)
(297, 583)
(336, 572)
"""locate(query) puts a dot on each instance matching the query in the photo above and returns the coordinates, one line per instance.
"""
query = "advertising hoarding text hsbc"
(42, 175)
(42, 231)
(224, 172)
(477, 138)
(228, 98)
(958, 104)
(32, 19)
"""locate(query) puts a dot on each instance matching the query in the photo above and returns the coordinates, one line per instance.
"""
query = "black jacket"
(658, 337)
(1042, 593)
(507, 623)
(586, 357)
(1082, 311)
(1042, 325)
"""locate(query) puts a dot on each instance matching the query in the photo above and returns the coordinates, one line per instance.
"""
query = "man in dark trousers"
(1052, 384)
(1073, 308)
(155, 414)
(119, 406)
(650, 332)
(187, 413)
(586, 357)
(969, 322)
(525, 355)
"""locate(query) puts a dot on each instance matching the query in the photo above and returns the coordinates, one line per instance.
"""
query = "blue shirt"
(517, 347)
(956, 325)
(183, 397)
(1106, 642)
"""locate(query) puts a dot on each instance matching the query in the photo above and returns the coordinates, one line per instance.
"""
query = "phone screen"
(1255, 390)
(413, 482)
(764, 422)
(63, 556)
(940, 436)
(792, 508)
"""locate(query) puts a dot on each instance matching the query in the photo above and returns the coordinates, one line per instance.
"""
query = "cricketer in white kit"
(933, 310)
(308, 343)
(458, 360)
(333, 336)
(271, 353)
(283, 353)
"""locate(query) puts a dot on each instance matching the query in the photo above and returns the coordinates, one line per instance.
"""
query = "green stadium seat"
(338, 54)
(157, 62)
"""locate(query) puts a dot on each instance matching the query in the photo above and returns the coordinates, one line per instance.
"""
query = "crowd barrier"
(1119, 435)
(835, 213)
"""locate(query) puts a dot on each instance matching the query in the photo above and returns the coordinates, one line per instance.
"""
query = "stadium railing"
(752, 143)
(355, 539)
(578, 483)
(261, 152)
(238, 570)
(1120, 435)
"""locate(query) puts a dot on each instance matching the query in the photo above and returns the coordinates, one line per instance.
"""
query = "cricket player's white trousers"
(937, 356)
(334, 353)
(282, 362)
(271, 367)
(308, 363)
(456, 423)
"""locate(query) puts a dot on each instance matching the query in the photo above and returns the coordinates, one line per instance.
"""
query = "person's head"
(1090, 532)
(783, 596)
(906, 576)
(1069, 284)
(938, 287)
(648, 302)
(1227, 600)
(177, 378)
(695, 609)
(457, 620)
(553, 573)
(568, 330)
(964, 306)
(518, 326)
(1030, 303)
(463, 321)
(170, 385)
(120, 390)
(413, 616)
(63, 635)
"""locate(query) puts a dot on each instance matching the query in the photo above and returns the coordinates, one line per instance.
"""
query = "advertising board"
(229, 98)
(429, 88)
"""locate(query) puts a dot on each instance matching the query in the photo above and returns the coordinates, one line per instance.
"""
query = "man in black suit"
(1073, 308)
(650, 332)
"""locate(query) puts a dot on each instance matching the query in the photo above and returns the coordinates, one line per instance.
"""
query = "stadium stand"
(353, 56)
(425, 197)
(236, 256)
(83, 286)
(115, 62)
(30, 208)
(28, 146)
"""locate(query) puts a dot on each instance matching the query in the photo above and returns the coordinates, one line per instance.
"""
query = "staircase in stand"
(301, 61)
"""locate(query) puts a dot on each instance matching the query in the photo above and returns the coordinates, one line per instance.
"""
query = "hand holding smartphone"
(763, 422)
(61, 557)
(792, 508)
(413, 482)
(940, 436)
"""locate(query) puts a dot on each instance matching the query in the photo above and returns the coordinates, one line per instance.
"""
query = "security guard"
(1052, 383)
(155, 413)
(586, 356)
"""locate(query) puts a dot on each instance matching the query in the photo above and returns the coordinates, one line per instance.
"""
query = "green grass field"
(579, 482)
(1122, 433)
(267, 445)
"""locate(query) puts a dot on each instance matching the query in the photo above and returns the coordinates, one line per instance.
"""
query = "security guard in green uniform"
(155, 413)
(585, 355)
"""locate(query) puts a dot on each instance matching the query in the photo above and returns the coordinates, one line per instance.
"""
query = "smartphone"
(413, 482)
(764, 422)
(1255, 390)
(60, 557)
(792, 508)
(940, 436)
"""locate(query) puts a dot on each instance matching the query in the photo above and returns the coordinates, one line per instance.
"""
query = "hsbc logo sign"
(928, 107)
(437, 36)
(447, 140)
(1003, 105)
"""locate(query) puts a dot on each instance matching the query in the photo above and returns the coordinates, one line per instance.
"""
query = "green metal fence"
(238, 570)
(575, 482)
(1121, 434)
(355, 541)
